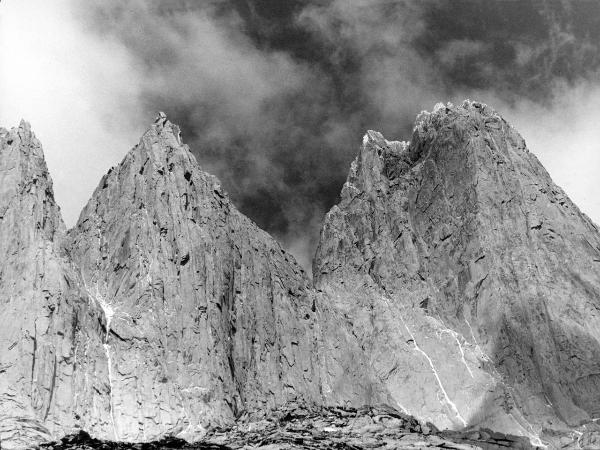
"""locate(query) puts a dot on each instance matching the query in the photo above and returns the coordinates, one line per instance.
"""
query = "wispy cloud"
(542, 76)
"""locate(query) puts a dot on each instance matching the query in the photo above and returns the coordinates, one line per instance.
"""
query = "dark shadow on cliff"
(535, 402)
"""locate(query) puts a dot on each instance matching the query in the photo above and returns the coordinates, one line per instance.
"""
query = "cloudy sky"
(273, 96)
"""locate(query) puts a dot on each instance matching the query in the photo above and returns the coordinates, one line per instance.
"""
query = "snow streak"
(109, 313)
(449, 402)
(454, 334)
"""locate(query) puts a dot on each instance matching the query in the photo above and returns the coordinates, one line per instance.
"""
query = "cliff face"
(454, 282)
(489, 273)
(205, 315)
(42, 316)
(164, 311)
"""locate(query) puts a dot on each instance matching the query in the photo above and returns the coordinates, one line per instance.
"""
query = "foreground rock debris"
(454, 282)
(301, 427)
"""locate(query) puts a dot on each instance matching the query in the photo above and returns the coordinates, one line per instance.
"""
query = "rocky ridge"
(43, 317)
(487, 271)
(173, 321)
(432, 273)
(205, 315)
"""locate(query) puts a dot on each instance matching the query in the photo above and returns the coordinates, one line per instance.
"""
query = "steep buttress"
(463, 237)
(205, 314)
(42, 317)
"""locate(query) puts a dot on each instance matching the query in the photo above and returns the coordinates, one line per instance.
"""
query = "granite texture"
(205, 315)
(454, 283)
(489, 274)
(43, 318)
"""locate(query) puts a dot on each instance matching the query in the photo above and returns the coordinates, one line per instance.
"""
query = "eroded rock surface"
(164, 311)
(471, 275)
(42, 317)
(454, 282)
(205, 315)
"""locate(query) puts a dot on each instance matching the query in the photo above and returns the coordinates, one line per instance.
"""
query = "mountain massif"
(454, 282)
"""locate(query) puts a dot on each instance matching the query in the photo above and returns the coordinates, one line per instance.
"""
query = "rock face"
(454, 282)
(164, 311)
(489, 274)
(42, 316)
(205, 315)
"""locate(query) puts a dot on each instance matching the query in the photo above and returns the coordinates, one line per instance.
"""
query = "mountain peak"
(381, 161)
(464, 234)
(23, 138)
(160, 117)
(24, 125)
(440, 111)
(186, 282)
(20, 148)
(35, 282)
(375, 138)
(162, 133)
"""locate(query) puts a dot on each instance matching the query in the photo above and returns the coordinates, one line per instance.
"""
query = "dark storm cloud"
(273, 96)
(517, 48)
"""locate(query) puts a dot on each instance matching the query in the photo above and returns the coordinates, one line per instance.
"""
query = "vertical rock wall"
(462, 229)
(205, 314)
(163, 311)
(41, 315)
(454, 281)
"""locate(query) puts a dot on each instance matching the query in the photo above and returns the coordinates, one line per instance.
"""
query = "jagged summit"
(467, 108)
(165, 128)
(24, 139)
(380, 157)
(159, 141)
(38, 296)
(160, 162)
(25, 177)
(464, 236)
